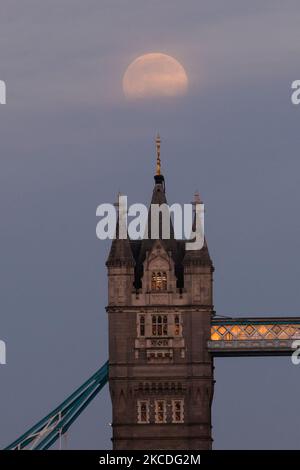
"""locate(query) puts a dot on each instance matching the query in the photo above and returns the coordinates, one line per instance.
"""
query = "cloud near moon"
(153, 75)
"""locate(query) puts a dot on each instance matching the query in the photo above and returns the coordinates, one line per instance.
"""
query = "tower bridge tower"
(160, 371)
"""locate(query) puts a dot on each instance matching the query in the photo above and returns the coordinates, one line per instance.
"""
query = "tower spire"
(120, 251)
(158, 161)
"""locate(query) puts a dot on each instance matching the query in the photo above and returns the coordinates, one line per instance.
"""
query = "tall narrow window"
(165, 325)
(142, 325)
(159, 281)
(177, 411)
(160, 411)
(177, 325)
(154, 325)
(164, 281)
(159, 325)
(143, 411)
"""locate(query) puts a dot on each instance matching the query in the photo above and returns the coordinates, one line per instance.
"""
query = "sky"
(70, 141)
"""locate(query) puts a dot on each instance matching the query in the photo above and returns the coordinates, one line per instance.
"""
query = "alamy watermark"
(295, 96)
(2, 343)
(296, 354)
(2, 92)
(2, 352)
(133, 222)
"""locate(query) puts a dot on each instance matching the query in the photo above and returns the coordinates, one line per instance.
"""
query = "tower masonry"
(160, 306)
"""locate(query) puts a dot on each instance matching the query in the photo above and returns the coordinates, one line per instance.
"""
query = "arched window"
(159, 280)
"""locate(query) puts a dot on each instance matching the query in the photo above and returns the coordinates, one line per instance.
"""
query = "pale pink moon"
(154, 74)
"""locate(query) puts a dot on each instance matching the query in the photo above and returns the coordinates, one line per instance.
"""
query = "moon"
(153, 75)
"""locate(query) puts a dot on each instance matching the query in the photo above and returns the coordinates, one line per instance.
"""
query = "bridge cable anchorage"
(54, 426)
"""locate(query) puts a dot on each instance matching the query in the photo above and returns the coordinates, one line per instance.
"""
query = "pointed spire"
(197, 200)
(159, 179)
(197, 257)
(158, 161)
(120, 251)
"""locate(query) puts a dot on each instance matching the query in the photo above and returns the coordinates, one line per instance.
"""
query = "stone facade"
(160, 371)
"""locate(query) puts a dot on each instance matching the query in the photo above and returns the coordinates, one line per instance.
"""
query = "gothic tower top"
(129, 253)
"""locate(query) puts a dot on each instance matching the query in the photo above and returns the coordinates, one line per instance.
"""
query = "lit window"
(160, 411)
(143, 411)
(159, 325)
(159, 281)
(142, 325)
(177, 411)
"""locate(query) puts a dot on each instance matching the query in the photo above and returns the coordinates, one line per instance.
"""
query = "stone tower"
(160, 372)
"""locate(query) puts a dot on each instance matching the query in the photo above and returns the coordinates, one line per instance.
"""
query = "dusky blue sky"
(69, 141)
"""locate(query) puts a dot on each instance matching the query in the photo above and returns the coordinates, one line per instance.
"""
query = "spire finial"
(158, 162)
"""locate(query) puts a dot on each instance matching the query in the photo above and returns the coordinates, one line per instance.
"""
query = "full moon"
(153, 75)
